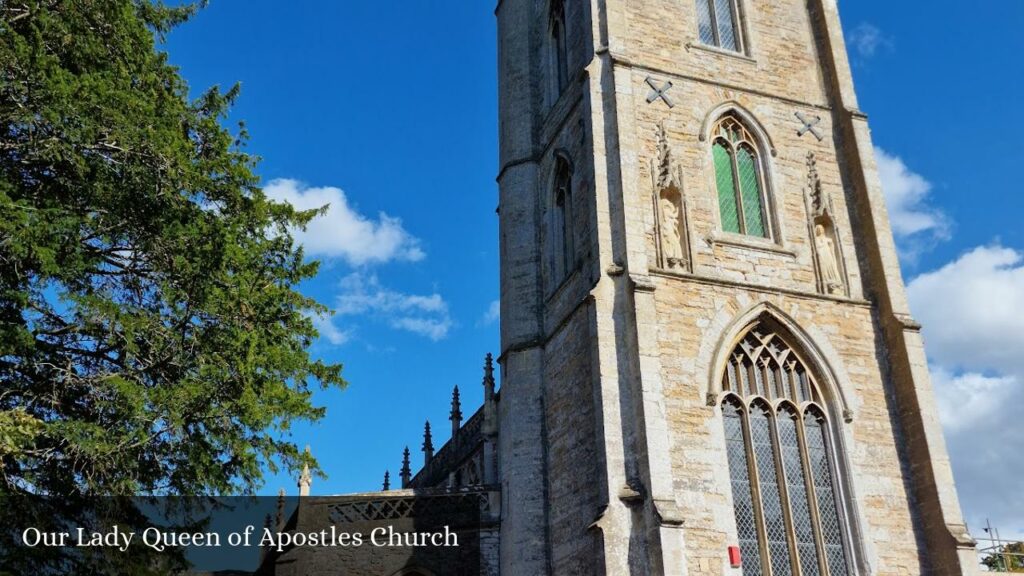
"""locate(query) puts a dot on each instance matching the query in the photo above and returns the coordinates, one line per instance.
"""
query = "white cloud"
(972, 310)
(983, 432)
(866, 39)
(967, 399)
(329, 330)
(433, 328)
(492, 315)
(914, 222)
(363, 294)
(343, 232)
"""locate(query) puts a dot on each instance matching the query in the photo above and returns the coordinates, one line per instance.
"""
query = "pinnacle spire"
(306, 478)
(488, 377)
(280, 508)
(814, 185)
(387, 480)
(428, 444)
(406, 472)
(456, 414)
(664, 158)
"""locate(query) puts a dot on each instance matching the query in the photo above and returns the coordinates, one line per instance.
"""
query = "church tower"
(709, 366)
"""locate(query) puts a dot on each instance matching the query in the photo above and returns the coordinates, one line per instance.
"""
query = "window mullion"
(737, 188)
(790, 371)
(714, 22)
(812, 496)
(755, 493)
(737, 24)
(787, 512)
(769, 228)
(837, 497)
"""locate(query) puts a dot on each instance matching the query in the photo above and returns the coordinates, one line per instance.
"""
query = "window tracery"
(781, 461)
(740, 179)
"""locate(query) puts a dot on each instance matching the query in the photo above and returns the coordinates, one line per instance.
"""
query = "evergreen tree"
(152, 340)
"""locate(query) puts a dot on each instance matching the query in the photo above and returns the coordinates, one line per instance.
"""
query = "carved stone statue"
(671, 241)
(828, 261)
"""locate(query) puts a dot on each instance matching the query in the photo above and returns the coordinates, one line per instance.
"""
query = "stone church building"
(708, 366)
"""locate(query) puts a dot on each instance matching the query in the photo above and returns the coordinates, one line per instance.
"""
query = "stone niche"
(671, 237)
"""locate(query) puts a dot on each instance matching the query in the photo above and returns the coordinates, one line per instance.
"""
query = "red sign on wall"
(734, 557)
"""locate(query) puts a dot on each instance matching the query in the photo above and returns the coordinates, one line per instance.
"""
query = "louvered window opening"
(780, 464)
(716, 23)
(559, 48)
(563, 257)
(739, 178)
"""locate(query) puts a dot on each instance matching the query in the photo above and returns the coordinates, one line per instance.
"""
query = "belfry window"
(561, 239)
(717, 24)
(558, 57)
(740, 179)
(781, 463)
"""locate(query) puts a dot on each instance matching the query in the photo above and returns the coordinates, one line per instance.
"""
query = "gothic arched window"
(561, 239)
(740, 179)
(781, 463)
(717, 23)
(558, 58)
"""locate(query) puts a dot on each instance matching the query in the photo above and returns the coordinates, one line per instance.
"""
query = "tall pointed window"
(740, 179)
(558, 52)
(561, 239)
(717, 23)
(781, 463)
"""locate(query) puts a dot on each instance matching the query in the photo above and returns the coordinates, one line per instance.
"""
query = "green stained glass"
(726, 189)
(750, 188)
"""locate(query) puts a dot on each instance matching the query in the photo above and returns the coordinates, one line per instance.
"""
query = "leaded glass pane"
(758, 380)
(800, 510)
(771, 501)
(726, 25)
(750, 188)
(763, 364)
(772, 384)
(789, 380)
(726, 188)
(744, 375)
(704, 22)
(743, 501)
(821, 473)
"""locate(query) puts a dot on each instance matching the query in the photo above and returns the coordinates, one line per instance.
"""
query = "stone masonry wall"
(779, 75)
(571, 452)
(693, 320)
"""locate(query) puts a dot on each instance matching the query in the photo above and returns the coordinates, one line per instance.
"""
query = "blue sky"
(388, 111)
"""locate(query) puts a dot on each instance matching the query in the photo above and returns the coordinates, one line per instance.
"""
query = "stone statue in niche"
(828, 261)
(669, 210)
(824, 236)
(671, 239)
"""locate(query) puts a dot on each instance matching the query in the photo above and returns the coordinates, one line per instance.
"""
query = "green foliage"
(1008, 558)
(152, 339)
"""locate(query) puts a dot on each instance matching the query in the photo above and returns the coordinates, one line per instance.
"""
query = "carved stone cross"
(657, 92)
(810, 125)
